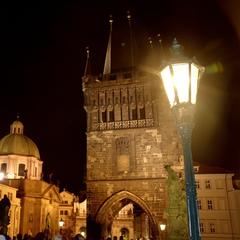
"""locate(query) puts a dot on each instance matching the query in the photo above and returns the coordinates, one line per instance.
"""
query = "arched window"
(124, 233)
(21, 169)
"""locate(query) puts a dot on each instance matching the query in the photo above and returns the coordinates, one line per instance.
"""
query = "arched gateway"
(131, 136)
(112, 206)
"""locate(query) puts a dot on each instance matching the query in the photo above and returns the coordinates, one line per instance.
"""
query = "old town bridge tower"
(131, 136)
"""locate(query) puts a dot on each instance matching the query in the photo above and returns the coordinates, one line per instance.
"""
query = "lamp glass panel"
(194, 82)
(181, 81)
(162, 226)
(168, 84)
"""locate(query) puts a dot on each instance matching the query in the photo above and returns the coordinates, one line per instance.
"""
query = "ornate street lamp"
(163, 228)
(61, 223)
(180, 78)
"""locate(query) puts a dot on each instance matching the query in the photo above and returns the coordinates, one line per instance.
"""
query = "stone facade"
(131, 137)
(39, 206)
(218, 204)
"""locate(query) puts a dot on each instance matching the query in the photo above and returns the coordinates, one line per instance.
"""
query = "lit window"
(207, 184)
(201, 227)
(199, 204)
(210, 204)
(212, 228)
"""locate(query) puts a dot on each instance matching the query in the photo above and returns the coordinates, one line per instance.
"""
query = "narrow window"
(199, 204)
(104, 116)
(111, 116)
(142, 113)
(210, 204)
(66, 212)
(21, 169)
(197, 184)
(4, 168)
(207, 184)
(134, 114)
(212, 228)
(201, 228)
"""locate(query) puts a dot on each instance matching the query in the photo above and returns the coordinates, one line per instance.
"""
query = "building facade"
(34, 202)
(218, 204)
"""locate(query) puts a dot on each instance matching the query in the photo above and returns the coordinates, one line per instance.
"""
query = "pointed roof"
(107, 64)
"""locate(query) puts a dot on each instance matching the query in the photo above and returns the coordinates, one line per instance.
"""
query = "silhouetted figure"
(4, 218)
(39, 236)
(19, 236)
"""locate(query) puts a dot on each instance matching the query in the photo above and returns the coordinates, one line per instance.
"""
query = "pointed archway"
(110, 208)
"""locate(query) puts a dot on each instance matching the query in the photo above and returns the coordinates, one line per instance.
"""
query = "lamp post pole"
(185, 126)
(180, 79)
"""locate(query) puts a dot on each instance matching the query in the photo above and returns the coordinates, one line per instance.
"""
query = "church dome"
(17, 143)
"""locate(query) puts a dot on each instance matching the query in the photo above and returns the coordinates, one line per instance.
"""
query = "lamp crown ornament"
(177, 50)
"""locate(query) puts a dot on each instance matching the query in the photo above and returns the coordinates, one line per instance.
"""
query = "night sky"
(42, 54)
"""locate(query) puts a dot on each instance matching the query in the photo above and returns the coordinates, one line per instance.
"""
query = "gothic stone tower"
(131, 136)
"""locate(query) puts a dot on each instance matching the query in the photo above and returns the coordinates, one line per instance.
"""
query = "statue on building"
(4, 217)
(176, 211)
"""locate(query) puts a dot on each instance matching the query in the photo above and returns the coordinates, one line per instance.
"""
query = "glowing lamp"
(162, 226)
(181, 77)
(61, 223)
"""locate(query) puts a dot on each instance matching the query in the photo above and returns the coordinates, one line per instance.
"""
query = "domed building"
(19, 155)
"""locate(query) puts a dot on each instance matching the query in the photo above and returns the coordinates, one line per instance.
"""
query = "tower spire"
(107, 64)
(86, 70)
(129, 17)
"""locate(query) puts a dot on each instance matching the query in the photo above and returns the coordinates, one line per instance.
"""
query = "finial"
(18, 116)
(150, 42)
(87, 62)
(87, 51)
(128, 15)
(176, 49)
(159, 38)
(110, 19)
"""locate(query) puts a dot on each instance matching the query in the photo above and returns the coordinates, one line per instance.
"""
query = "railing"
(123, 124)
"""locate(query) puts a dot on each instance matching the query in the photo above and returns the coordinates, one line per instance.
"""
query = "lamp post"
(180, 78)
(163, 228)
(61, 223)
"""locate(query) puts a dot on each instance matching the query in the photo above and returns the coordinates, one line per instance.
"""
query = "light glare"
(181, 81)
(194, 83)
(168, 84)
